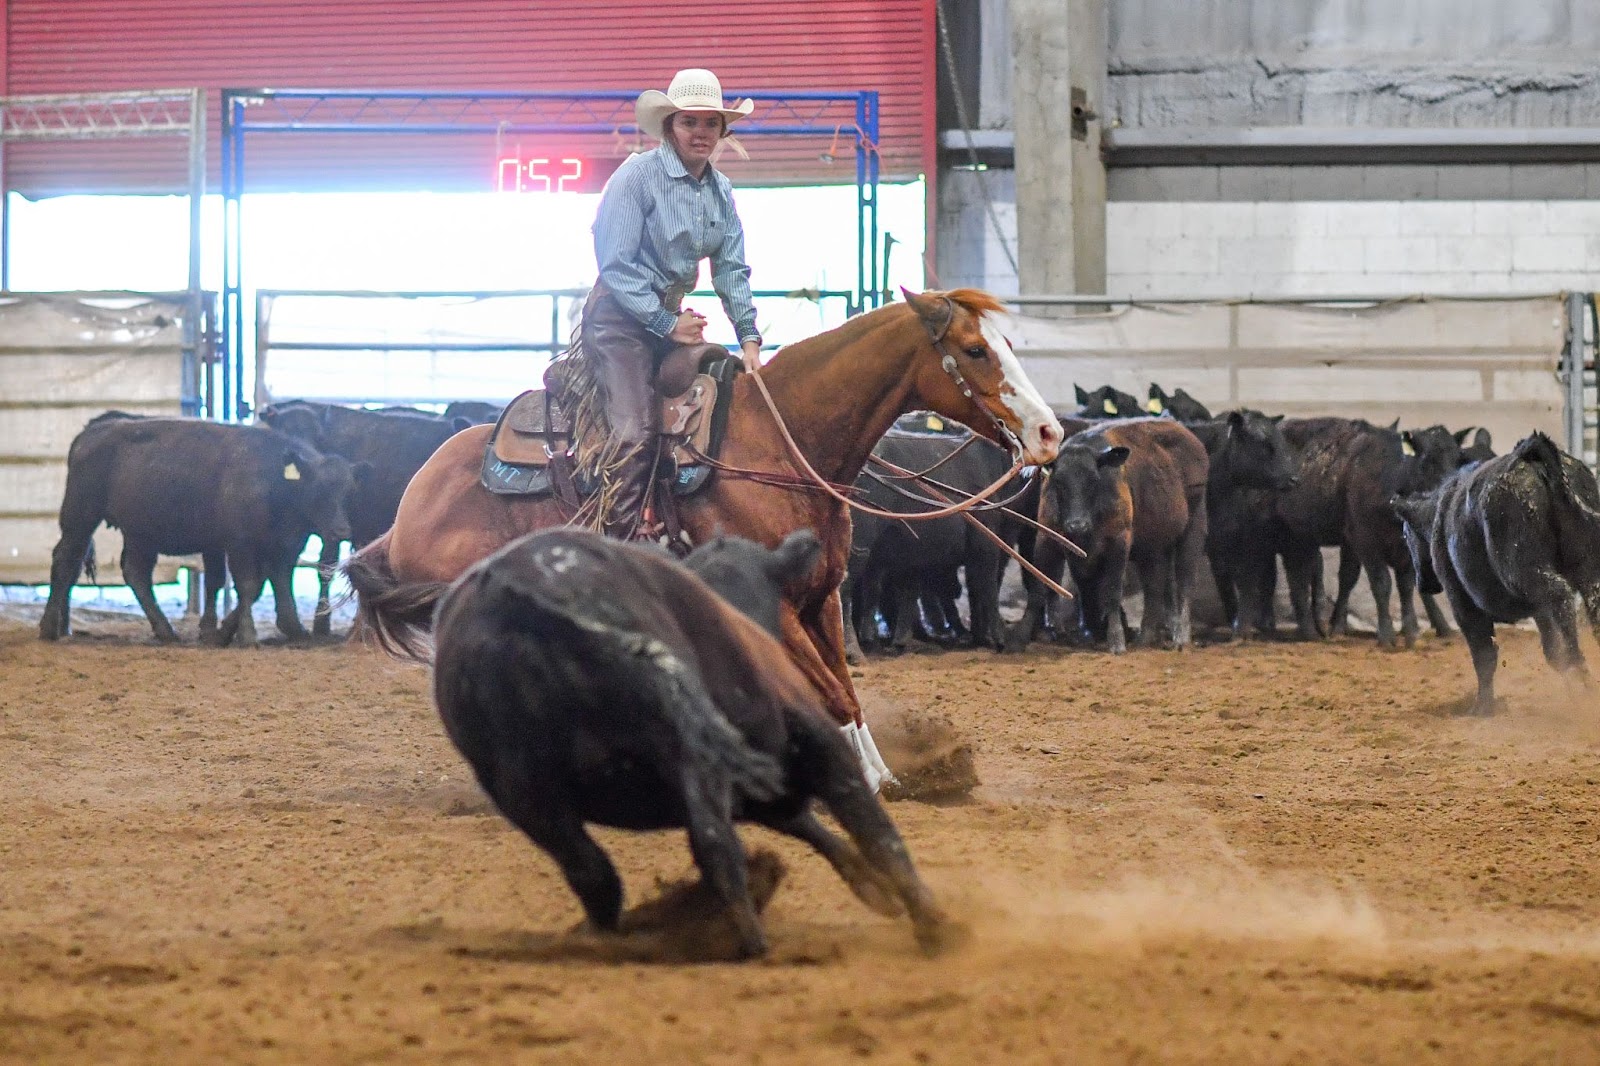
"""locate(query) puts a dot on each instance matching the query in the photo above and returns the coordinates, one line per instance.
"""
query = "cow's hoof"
(942, 935)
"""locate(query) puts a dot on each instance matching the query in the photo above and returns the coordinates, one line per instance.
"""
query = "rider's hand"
(689, 329)
(752, 355)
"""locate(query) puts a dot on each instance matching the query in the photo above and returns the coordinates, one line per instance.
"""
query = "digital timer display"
(553, 172)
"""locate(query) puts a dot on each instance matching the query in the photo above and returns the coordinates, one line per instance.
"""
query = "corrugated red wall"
(57, 46)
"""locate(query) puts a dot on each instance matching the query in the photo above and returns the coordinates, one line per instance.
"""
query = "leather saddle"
(531, 449)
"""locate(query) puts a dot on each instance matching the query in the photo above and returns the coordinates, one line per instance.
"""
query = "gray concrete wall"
(1355, 62)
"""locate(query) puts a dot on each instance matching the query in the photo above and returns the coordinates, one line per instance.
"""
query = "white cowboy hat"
(691, 90)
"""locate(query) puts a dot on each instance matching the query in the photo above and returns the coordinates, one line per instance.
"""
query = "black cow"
(1251, 462)
(185, 486)
(1480, 450)
(1349, 470)
(476, 412)
(589, 680)
(392, 447)
(896, 563)
(1105, 402)
(1179, 405)
(1507, 539)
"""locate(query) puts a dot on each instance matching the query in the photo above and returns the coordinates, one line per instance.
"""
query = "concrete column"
(1058, 86)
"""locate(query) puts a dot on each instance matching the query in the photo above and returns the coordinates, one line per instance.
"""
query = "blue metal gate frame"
(288, 111)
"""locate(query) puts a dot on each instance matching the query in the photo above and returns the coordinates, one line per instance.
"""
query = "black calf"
(1512, 538)
(588, 680)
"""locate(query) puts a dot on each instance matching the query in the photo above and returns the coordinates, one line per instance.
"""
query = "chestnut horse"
(838, 392)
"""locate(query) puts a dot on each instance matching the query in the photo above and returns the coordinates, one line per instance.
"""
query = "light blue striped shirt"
(656, 222)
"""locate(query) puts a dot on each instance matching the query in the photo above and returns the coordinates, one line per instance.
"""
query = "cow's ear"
(1461, 435)
(797, 556)
(1112, 457)
(457, 424)
(1235, 420)
(1408, 444)
(291, 467)
(1481, 439)
(1277, 419)
(1083, 397)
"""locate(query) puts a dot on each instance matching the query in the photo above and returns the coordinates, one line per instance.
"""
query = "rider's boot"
(628, 492)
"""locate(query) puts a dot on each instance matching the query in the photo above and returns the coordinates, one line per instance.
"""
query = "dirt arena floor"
(1240, 854)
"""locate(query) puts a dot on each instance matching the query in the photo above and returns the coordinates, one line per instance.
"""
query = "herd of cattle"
(1146, 492)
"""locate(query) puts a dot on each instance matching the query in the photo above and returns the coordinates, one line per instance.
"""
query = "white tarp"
(65, 358)
(1460, 362)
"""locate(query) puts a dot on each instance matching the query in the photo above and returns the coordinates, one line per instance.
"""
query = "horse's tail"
(397, 613)
(670, 688)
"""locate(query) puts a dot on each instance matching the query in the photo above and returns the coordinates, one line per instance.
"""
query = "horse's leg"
(827, 765)
(870, 887)
(816, 644)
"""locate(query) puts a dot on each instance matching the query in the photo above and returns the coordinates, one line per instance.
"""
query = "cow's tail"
(397, 613)
(1577, 517)
(89, 563)
(663, 683)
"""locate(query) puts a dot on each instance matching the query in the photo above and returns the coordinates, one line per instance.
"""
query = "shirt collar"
(675, 168)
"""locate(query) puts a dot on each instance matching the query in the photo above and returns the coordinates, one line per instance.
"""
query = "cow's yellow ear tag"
(1154, 406)
(291, 472)
(1406, 448)
(935, 423)
(1110, 408)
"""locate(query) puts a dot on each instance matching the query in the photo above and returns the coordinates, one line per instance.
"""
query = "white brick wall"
(1351, 247)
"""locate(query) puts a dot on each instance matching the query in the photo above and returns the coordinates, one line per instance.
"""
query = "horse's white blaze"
(1041, 431)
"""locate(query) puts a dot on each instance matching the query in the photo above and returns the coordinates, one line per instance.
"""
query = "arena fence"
(361, 347)
(1493, 361)
(65, 358)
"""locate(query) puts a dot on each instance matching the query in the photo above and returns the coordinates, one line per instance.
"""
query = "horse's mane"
(977, 301)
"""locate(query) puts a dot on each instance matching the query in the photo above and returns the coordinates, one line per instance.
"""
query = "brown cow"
(1132, 490)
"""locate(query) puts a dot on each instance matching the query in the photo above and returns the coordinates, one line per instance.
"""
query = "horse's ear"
(935, 311)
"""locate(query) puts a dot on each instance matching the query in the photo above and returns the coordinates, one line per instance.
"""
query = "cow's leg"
(870, 887)
(553, 824)
(1405, 584)
(1185, 564)
(240, 625)
(1557, 618)
(1478, 628)
(983, 598)
(852, 641)
(1378, 578)
(66, 563)
(1155, 575)
(215, 577)
(1436, 617)
(1349, 573)
(904, 588)
(138, 568)
(1108, 598)
(720, 855)
(1223, 572)
(322, 621)
(1300, 562)
(1051, 560)
(860, 814)
(286, 612)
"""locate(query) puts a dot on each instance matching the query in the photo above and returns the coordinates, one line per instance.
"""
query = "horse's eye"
(980, 351)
